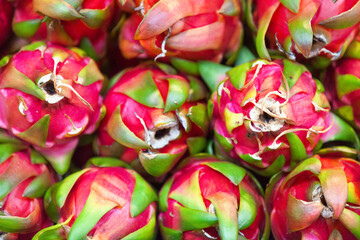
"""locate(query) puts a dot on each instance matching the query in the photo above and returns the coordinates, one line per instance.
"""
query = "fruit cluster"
(179, 119)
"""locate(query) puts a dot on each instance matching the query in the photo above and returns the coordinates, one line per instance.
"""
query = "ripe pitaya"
(319, 199)
(157, 115)
(24, 179)
(269, 115)
(342, 85)
(68, 23)
(108, 202)
(305, 28)
(49, 96)
(6, 13)
(208, 199)
(195, 30)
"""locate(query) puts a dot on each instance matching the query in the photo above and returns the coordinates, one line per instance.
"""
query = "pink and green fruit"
(302, 29)
(212, 199)
(200, 30)
(342, 85)
(319, 199)
(107, 202)
(65, 22)
(24, 179)
(153, 115)
(50, 95)
(269, 115)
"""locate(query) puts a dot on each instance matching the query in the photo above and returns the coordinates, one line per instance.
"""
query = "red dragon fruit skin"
(108, 202)
(67, 23)
(342, 85)
(155, 116)
(24, 179)
(50, 114)
(6, 13)
(269, 115)
(200, 30)
(304, 28)
(211, 199)
(319, 199)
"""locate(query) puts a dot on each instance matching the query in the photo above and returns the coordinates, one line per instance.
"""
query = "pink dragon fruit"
(49, 96)
(156, 115)
(212, 199)
(304, 28)
(200, 30)
(24, 179)
(107, 202)
(6, 13)
(68, 23)
(269, 115)
(319, 199)
(342, 85)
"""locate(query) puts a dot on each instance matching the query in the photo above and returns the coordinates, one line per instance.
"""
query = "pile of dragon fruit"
(179, 119)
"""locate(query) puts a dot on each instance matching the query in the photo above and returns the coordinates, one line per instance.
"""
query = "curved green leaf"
(106, 162)
(226, 211)
(66, 186)
(189, 193)
(212, 73)
(186, 66)
(142, 89)
(297, 148)
(57, 9)
(38, 186)
(163, 195)
(26, 29)
(344, 20)
(122, 134)
(143, 195)
(177, 94)
(157, 164)
(292, 5)
(233, 172)
(196, 144)
(147, 232)
(262, 29)
(191, 219)
(7, 149)
(300, 28)
(37, 133)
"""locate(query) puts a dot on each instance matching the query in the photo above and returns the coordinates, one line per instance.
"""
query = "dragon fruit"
(24, 179)
(68, 23)
(49, 96)
(107, 202)
(200, 30)
(6, 12)
(319, 199)
(269, 115)
(342, 85)
(208, 199)
(304, 28)
(153, 116)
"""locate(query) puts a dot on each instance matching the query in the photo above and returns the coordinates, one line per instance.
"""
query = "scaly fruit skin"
(68, 23)
(269, 115)
(157, 115)
(200, 30)
(50, 114)
(6, 13)
(108, 202)
(24, 179)
(319, 199)
(209, 199)
(305, 28)
(342, 85)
